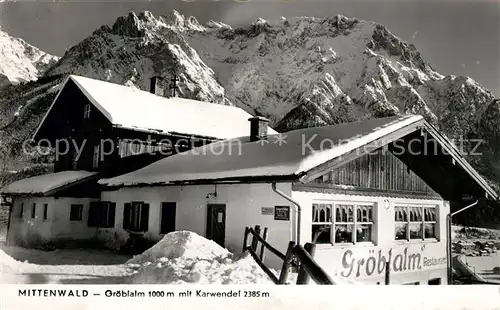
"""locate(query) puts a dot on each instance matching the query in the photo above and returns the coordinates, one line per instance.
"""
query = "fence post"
(254, 239)
(262, 247)
(387, 273)
(303, 277)
(245, 239)
(286, 263)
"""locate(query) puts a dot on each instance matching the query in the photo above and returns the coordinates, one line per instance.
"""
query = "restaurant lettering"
(374, 264)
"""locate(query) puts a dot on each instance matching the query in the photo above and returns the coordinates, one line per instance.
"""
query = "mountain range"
(298, 72)
(20, 61)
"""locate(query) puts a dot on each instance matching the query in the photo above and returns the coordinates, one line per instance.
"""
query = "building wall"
(243, 208)
(26, 230)
(57, 227)
(345, 260)
(63, 228)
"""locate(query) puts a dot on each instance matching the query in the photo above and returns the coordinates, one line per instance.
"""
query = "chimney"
(258, 128)
(157, 86)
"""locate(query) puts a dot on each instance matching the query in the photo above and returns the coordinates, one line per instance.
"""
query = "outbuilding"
(51, 208)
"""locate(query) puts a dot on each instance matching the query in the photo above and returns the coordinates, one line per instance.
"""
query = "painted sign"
(364, 262)
(267, 211)
(282, 213)
(375, 263)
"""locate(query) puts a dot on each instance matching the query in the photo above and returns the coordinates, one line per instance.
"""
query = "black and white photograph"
(263, 142)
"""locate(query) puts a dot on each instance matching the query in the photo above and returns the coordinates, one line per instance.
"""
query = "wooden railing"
(296, 256)
(252, 249)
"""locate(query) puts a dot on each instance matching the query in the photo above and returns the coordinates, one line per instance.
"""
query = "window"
(86, 111)
(136, 216)
(415, 222)
(95, 159)
(76, 213)
(45, 211)
(33, 210)
(436, 281)
(102, 214)
(21, 210)
(430, 222)
(168, 210)
(353, 223)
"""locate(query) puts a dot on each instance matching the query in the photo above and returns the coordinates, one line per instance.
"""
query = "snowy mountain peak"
(217, 25)
(134, 25)
(175, 18)
(20, 61)
(259, 21)
(146, 24)
(300, 71)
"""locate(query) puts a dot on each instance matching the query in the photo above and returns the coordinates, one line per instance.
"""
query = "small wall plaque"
(267, 211)
(282, 213)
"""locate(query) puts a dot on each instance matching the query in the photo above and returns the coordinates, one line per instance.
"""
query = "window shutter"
(144, 217)
(111, 213)
(93, 220)
(127, 212)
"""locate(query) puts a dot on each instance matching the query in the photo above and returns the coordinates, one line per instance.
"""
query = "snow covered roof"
(136, 109)
(46, 184)
(286, 154)
(305, 154)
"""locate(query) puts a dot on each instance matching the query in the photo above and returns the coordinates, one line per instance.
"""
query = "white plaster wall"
(57, 226)
(63, 228)
(27, 229)
(331, 257)
(243, 208)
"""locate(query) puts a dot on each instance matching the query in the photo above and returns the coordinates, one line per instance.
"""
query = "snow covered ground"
(484, 266)
(30, 266)
(179, 258)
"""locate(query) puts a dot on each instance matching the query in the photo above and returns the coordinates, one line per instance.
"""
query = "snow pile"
(9, 264)
(185, 257)
(181, 244)
(7, 260)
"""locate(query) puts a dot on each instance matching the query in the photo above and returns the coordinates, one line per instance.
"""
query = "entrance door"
(216, 223)
(167, 224)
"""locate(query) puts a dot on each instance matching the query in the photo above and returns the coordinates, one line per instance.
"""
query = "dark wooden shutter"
(168, 212)
(45, 211)
(33, 210)
(93, 220)
(127, 212)
(144, 217)
(111, 214)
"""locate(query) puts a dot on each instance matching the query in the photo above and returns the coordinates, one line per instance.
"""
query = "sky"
(459, 37)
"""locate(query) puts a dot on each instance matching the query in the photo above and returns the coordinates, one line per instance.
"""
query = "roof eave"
(24, 194)
(229, 180)
(463, 163)
(165, 133)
